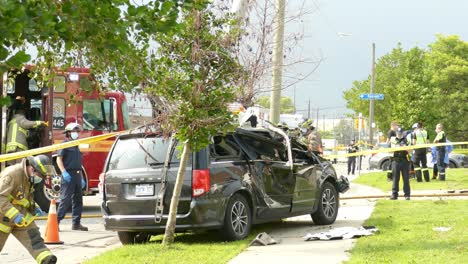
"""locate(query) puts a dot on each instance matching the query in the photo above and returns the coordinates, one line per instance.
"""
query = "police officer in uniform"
(440, 138)
(69, 161)
(420, 137)
(400, 165)
(18, 209)
(352, 148)
(18, 129)
(390, 134)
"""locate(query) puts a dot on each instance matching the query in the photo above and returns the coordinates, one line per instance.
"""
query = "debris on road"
(263, 239)
(441, 229)
(342, 233)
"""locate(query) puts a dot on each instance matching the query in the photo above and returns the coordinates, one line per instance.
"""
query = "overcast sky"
(348, 58)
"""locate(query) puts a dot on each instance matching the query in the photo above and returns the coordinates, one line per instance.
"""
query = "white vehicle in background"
(291, 120)
(330, 148)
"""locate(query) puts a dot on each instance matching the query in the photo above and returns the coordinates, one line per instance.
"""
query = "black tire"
(130, 238)
(237, 219)
(40, 198)
(328, 205)
(452, 165)
(385, 164)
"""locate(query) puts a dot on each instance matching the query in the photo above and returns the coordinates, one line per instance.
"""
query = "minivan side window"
(224, 148)
(264, 149)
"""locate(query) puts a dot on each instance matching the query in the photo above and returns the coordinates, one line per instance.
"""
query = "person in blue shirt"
(70, 163)
(448, 150)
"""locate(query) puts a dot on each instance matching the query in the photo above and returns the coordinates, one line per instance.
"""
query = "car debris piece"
(342, 233)
(263, 239)
(441, 229)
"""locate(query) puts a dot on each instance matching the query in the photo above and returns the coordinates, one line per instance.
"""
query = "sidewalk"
(292, 247)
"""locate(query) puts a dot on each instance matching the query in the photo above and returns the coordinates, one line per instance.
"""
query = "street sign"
(371, 96)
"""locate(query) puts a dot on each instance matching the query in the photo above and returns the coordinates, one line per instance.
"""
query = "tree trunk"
(171, 221)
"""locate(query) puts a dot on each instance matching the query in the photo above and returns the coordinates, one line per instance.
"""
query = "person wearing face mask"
(69, 161)
(18, 209)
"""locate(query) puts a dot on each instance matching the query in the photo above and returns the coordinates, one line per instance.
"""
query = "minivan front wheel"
(328, 205)
(129, 238)
(238, 218)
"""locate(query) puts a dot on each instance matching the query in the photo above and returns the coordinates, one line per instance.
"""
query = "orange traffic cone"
(52, 230)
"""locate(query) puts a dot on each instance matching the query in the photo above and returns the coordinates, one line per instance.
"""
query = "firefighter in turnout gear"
(420, 137)
(400, 165)
(440, 138)
(18, 129)
(18, 209)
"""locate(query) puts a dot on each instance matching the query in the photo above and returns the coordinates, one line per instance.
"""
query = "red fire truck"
(71, 97)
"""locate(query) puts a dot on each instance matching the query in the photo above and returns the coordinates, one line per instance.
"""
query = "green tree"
(427, 85)
(286, 104)
(110, 36)
(195, 71)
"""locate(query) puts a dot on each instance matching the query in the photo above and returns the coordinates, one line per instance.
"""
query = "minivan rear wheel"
(328, 205)
(237, 219)
(129, 238)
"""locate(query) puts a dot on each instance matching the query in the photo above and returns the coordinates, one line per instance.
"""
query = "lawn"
(190, 248)
(456, 179)
(407, 235)
(460, 151)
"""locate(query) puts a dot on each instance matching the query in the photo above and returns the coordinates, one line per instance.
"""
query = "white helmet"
(72, 127)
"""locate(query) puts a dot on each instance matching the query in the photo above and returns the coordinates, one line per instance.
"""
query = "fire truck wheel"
(40, 197)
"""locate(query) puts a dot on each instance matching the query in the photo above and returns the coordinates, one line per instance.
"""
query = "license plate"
(144, 189)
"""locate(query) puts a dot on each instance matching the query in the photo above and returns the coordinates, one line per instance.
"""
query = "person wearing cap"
(441, 150)
(18, 129)
(69, 161)
(18, 209)
(420, 137)
(400, 165)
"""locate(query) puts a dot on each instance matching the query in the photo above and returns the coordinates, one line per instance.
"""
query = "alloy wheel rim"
(329, 203)
(239, 218)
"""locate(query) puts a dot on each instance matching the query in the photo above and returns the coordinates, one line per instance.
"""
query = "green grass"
(456, 179)
(407, 236)
(460, 151)
(190, 248)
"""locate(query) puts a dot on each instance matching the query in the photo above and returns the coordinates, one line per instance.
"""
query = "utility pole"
(277, 62)
(316, 125)
(371, 101)
(323, 119)
(308, 110)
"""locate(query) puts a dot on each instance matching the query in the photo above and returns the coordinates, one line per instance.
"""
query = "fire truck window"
(33, 87)
(58, 113)
(96, 115)
(59, 84)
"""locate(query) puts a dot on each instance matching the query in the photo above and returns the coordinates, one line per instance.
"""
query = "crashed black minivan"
(250, 176)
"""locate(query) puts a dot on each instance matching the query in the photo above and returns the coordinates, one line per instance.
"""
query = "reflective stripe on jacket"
(18, 132)
(15, 186)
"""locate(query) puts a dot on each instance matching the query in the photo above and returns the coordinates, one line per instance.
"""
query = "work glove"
(66, 176)
(38, 212)
(46, 123)
(19, 219)
(83, 183)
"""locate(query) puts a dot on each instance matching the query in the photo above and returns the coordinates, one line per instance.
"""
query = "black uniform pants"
(71, 195)
(351, 164)
(420, 166)
(400, 166)
(441, 163)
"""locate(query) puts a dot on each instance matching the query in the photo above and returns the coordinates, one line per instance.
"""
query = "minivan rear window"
(130, 153)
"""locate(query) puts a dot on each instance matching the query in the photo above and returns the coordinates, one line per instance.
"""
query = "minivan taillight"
(200, 182)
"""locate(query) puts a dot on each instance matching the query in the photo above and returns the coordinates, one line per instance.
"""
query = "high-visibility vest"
(421, 136)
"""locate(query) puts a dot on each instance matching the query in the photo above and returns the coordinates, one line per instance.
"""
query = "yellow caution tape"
(36, 151)
(394, 149)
